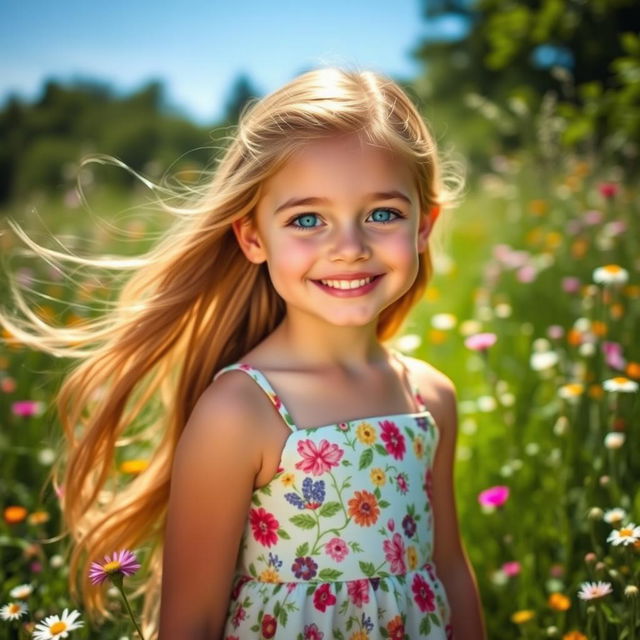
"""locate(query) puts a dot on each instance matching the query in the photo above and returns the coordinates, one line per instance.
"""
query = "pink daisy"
(264, 526)
(480, 341)
(393, 439)
(424, 595)
(337, 549)
(394, 553)
(358, 591)
(316, 460)
(123, 562)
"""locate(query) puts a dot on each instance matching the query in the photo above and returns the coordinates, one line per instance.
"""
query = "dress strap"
(261, 380)
(400, 357)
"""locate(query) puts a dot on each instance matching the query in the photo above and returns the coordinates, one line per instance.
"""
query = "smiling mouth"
(347, 285)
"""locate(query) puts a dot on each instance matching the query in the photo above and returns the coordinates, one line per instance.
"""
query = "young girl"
(300, 485)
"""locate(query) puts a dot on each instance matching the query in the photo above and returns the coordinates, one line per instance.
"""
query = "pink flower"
(322, 598)
(424, 595)
(318, 459)
(592, 217)
(401, 481)
(391, 525)
(25, 408)
(7, 384)
(358, 591)
(480, 341)
(494, 496)
(555, 331)
(264, 526)
(613, 355)
(311, 632)
(570, 284)
(337, 549)
(122, 562)
(239, 615)
(394, 553)
(527, 273)
(393, 439)
(608, 190)
(511, 568)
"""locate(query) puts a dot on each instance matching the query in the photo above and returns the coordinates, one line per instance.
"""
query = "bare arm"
(216, 461)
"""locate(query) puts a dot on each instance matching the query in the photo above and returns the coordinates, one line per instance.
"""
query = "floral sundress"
(338, 544)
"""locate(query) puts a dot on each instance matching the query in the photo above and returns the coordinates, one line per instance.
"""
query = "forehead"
(340, 167)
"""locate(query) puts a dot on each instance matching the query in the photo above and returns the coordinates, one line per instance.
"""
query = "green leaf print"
(302, 550)
(283, 534)
(256, 500)
(383, 504)
(365, 459)
(381, 449)
(367, 568)
(355, 547)
(412, 435)
(252, 570)
(329, 574)
(303, 520)
(330, 509)
(346, 463)
(425, 626)
(283, 616)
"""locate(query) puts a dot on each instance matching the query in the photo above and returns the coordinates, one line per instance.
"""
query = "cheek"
(293, 256)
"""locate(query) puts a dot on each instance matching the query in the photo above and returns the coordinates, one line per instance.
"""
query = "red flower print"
(363, 507)
(449, 631)
(316, 460)
(311, 632)
(264, 526)
(236, 589)
(269, 626)
(394, 553)
(430, 571)
(337, 549)
(393, 439)
(358, 591)
(395, 628)
(427, 486)
(323, 597)
(239, 615)
(424, 595)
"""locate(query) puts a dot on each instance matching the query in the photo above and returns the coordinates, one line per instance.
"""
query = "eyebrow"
(378, 195)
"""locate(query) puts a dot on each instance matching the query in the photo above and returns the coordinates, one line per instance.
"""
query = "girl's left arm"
(452, 564)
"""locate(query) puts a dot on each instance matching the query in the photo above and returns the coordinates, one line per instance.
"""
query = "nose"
(348, 242)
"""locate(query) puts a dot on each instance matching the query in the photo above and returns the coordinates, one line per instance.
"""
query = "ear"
(248, 238)
(427, 220)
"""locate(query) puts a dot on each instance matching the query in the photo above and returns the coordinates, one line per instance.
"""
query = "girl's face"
(338, 211)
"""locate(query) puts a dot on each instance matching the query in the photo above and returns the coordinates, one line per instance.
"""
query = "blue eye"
(314, 215)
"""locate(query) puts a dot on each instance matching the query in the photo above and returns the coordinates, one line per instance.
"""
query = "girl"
(300, 484)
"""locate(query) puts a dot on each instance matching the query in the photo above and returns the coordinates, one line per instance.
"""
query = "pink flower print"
(264, 526)
(311, 632)
(316, 460)
(322, 598)
(239, 615)
(430, 571)
(428, 483)
(393, 439)
(337, 549)
(423, 593)
(343, 426)
(401, 481)
(358, 591)
(394, 553)
(391, 525)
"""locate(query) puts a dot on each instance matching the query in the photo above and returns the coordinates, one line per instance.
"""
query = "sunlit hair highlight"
(192, 304)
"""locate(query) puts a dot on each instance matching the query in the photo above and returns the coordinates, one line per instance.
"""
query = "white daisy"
(614, 515)
(610, 274)
(21, 591)
(614, 440)
(571, 391)
(591, 590)
(629, 534)
(443, 321)
(13, 610)
(57, 626)
(542, 360)
(620, 383)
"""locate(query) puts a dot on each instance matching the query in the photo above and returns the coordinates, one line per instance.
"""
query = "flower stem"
(126, 602)
(602, 631)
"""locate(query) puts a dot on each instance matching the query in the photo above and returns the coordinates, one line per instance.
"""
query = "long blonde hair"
(193, 304)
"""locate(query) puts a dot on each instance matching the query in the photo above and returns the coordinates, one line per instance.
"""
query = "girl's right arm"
(215, 465)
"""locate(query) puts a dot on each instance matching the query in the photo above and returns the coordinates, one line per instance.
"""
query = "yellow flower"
(524, 615)
(418, 446)
(269, 575)
(378, 476)
(366, 433)
(412, 557)
(359, 635)
(288, 479)
(559, 602)
(38, 517)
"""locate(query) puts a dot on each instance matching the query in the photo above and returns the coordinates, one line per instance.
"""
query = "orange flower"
(538, 207)
(574, 337)
(395, 627)
(38, 517)
(14, 514)
(633, 369)
(133, 466)
(559, 602)
(596, 391)
(363, 507)
(574, 635)
(579, 247)
(599, 328)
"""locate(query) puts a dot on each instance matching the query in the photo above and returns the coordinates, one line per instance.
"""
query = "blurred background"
(539, 100)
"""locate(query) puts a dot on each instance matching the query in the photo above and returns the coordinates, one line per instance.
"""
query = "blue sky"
(197, 48)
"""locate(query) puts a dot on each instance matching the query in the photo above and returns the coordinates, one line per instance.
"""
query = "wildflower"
(608, 190)
(592, 590)
(26, 408)
(511, 568)
(543, 360)
(614, 515)
(631, 591)
(14, 514)
(613, 354)
(620, 383)
(629, 534)
(13, 610)
(574, 635)
(559, 602)
(614, 440)
(480, 341)
(443, 321)
(610, 274)
(21, 591)
(123, 563)
(57, 626)
(494, 496)
(523, 615)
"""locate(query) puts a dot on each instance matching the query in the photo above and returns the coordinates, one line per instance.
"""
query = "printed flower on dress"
(312, 495)
(394, 441)
(358, 591)
(394, 553)
(395, 628)
(323, 598)
(317, 460)
(311, 632)
(423, 593)
(363, 507)
(264, 526)
(304, 567)
(409, 526)
(366, 433)
(337, 549)
(269, 626)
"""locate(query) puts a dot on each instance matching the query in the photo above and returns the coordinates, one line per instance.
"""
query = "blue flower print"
(313, 494)
(304, 567)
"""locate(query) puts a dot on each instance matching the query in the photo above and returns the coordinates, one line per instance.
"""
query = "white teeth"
(346, 284)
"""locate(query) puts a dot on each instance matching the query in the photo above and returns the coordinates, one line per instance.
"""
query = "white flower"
(629, 534)
(614, 515)
(57, 626)
(620, 383)
(591, 590)
(543, 360)
(13, 610)
(21, 591)
(486, 403)
(571, 391)
(610, 274)
(614, 440)
(443, 321)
